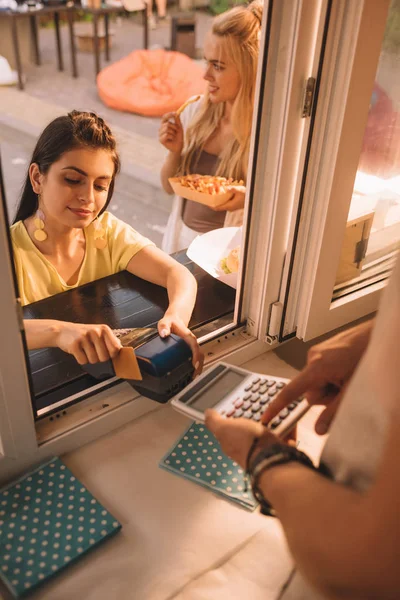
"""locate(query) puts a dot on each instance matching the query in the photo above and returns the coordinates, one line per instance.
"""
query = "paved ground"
(138, 197)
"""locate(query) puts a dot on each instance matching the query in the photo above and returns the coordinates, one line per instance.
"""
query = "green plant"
(391, 40)
(219, 6)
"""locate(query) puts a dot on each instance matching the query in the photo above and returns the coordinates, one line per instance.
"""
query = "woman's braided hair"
(75, 130)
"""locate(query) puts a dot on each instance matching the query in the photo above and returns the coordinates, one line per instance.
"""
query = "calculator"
(235, 392)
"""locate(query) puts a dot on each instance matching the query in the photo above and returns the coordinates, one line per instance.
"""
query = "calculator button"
(255, 408)
(264, 400)
(270, 383)
(256, 380)
(257, 417)
(248, 415)
(292, 405)
(238, 413)
(263, 381)
(255, 388)
(280, 385)
(246, 405)
(255, 398)
(284, 413)
(238, 403)
(272, 393)
(230, 412)
(274, 424)
(247, 397)
(248, 388)
(263, 389)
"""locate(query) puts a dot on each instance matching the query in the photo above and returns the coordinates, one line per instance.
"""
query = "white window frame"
(353, 48)
(293, 36)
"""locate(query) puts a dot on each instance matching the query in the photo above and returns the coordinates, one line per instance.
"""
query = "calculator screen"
(217, 391)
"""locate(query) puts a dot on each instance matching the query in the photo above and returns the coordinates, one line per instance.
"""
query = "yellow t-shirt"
(38, 278)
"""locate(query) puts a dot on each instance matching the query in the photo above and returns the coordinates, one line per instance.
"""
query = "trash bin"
(183, 36)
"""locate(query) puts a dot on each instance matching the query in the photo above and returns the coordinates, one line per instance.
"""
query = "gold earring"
(39, 233)
(99, 232)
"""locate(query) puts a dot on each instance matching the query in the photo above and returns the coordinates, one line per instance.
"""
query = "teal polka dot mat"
(198, 456)
(48, 519)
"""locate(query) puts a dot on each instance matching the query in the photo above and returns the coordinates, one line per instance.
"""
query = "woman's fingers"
(292, 391)
(89, 348)
(235, 202)
(168, 117)
(100, 347)
(325, 419)
(112, 343)
(97, 344)
(79, 354)
(166, 326)
(191, 340)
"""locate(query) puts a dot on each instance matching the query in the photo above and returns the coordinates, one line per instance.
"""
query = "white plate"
(208, 249)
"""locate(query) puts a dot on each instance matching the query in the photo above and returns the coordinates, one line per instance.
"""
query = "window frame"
(273, 189)
(353, 48)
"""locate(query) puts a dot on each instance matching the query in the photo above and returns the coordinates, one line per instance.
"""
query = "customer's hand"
(171, 323)
(237, 435)
(236, 201)
(87, 343)
(330, 365)
(170, 133)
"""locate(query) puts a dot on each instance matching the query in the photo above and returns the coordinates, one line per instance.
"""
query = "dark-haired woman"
(63, 237)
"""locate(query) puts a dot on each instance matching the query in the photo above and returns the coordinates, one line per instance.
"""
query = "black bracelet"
(248, 458)
(274, 455)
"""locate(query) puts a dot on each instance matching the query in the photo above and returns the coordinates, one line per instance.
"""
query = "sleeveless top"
(199, 217)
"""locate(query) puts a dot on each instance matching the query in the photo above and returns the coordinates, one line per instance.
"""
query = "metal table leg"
(58, 40)
(35, 38)
(96, 42)
(107, 34)
(16, 51)
(72, 43)
(145, 28)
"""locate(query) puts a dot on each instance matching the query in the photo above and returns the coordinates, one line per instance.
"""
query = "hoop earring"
(39, 233)
(99, 232)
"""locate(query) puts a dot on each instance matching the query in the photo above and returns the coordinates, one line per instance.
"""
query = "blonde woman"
(212, 136)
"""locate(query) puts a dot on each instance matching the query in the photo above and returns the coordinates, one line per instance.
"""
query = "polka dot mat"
(48, 519)
(198, 456)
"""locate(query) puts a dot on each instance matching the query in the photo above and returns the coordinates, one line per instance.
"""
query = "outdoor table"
(70, 11)
(120, 301)
(105, 11)
(32, 15)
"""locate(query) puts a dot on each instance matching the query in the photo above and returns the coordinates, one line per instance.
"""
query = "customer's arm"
(87, 343)
(347, 544)
(156, 266)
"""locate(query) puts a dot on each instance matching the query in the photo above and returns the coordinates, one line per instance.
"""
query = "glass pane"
(132, 93)
(373, 228)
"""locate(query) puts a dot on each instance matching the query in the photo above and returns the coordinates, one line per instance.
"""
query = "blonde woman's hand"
(170, 133)
(88, 343)
(171, 323)
(236, 201)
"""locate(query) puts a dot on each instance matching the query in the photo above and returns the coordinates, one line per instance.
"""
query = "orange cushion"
(150, 82)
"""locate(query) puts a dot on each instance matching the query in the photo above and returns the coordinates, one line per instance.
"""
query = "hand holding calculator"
(235, 392)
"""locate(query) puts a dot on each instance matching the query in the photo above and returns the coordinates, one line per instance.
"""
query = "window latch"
(308, 97)
(274, 323)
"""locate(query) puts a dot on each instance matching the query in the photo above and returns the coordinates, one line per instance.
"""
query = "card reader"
(165, 365)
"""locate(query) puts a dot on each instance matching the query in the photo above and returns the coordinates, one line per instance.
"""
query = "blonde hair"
(239, 28)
